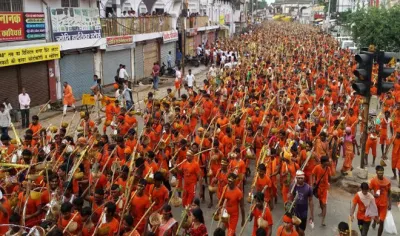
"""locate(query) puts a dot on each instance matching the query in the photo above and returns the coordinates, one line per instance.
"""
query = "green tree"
(377, 26)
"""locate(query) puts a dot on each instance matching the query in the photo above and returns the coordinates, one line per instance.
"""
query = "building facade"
(44, 43)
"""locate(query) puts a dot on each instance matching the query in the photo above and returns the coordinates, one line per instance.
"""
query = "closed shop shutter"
(189, 46)
(165, 49)
(111, 62)
(34, 78)
(78, 70)
(139, 61)
(9, 85)
(151, 55)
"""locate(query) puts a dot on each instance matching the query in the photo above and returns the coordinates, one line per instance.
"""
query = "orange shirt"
(35, 128)
(110, 227)
(361, 208)
(267, 217)
(237, 166)
(233, 198)
(262, 183)
(282, 232)
(320, 177)
(190, 171)
(31, 208)
(4, 219)
(159, 195)
(384, 186)
(139, 205)
(62, 222)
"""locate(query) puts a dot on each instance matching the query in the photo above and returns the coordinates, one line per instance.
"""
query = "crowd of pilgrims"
(278, 121)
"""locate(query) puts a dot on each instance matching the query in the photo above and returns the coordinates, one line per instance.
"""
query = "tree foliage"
(377, 26)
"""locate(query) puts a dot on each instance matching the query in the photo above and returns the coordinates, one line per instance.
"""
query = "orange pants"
(371, 144)
(348, 162)
(395, 162)
(232, 223)
(383, 139)
(189, 190)
(323, 195)
(285, 192)
(382, 211)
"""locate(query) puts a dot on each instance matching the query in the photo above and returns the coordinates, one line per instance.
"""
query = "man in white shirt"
(190, 79)
(24, 104)
(122, 74)
(199, 50)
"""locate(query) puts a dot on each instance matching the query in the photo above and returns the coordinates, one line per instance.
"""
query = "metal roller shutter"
(165, 49)
(78, 70)
(189, 46)
(34, 78)
(9, 85)
(151, 55)
(111, 61)
(139, 61)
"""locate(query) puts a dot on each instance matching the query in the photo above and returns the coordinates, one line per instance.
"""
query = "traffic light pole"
(364, 136)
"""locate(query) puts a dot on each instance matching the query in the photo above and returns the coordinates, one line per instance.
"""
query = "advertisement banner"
(75, 23)
(119, 40)
(170, 36)
(28, 55)
(11, 26)
(35, 25)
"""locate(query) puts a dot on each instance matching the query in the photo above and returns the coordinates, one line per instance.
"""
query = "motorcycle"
(194, 61)
(162, 69)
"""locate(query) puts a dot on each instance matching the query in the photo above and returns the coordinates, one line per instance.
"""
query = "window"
(11, 5)
(69, 3)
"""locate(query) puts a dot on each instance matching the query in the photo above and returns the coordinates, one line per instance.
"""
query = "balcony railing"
(135, 25)
(196, 21)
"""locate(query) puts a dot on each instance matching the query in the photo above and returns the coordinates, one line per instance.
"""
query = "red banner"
(11, 26)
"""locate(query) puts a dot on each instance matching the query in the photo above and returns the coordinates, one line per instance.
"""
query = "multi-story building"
(44, 43)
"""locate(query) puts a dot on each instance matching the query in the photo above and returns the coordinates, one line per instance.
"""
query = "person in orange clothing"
(139, 204)
(228, 141)
(287, 174)
(5, 213)
(352, 121)
(233, 199)
(111, 225)
(395, 155)
(320, 179)
(287, 229)
(128, 227)
(363, 199)
(349, 144)
(68, 216)
(371, 144)
(220, 180)
(69, 99)
(35, 126)
(386, 123)
(158, 192)
(261, 210)
(110, 112)
(191, 175)
(237, 166)
(88, 125)
(263, 184)
(380, 188)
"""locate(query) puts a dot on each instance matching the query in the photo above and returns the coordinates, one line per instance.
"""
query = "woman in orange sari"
(349, 142)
